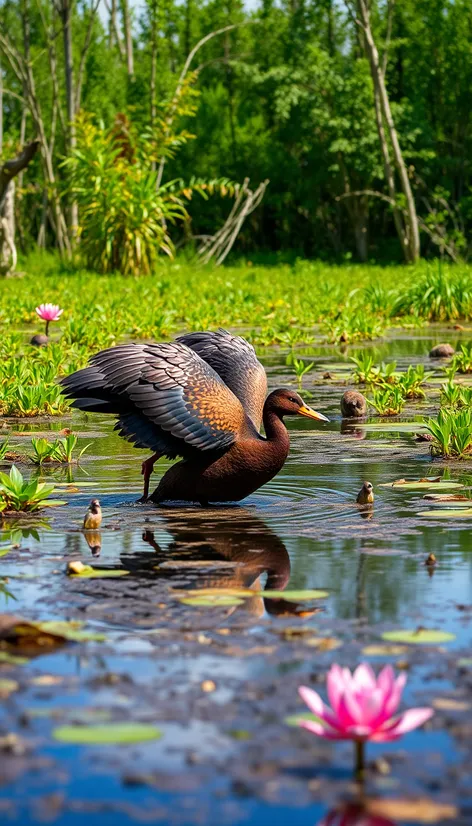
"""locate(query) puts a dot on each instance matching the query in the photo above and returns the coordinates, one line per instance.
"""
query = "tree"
(8, 171)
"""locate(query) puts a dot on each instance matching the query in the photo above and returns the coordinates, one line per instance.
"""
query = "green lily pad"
(421, 636)
(394, 427)
(7, 687)
(296, 719)
(216, 600)
(94, 573)
(296, 596)
(74, 484)
(5, 657)
(70, 630)
(5, 551)
(464, 662)
(52, 503)
(423, 484)
(107, 734)
(448, 513)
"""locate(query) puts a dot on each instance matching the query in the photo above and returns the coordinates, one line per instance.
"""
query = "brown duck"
(201, 397)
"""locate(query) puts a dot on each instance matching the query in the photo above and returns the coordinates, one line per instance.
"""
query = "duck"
(93, 516)
(201, 398)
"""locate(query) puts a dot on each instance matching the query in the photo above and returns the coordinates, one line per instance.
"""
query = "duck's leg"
(146, 469)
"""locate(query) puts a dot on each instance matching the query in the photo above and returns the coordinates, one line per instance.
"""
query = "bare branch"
(83, 55)
(388, 37)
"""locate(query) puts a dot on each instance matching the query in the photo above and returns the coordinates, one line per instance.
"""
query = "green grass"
(305, 302)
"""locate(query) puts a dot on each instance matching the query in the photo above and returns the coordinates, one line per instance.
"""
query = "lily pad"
(108, 734)
(448, 513)
(216, 600)
(8, 687)
(296, 596)
(384, 650)
(394, 427)
(88, 572)
(11, 659)
(296, 719)
(421, 484)
(419, 636)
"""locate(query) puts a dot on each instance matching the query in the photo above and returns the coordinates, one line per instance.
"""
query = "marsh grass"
(452, 433)
(289, 305)
(388, 401)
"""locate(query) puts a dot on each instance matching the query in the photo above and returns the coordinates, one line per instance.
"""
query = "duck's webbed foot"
(146, 469)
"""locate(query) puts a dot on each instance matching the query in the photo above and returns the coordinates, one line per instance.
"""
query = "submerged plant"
(388, 401)
(363, 707)
(451, 432)
(19, 495)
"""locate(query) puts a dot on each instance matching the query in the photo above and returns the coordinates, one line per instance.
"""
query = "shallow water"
(226, 754)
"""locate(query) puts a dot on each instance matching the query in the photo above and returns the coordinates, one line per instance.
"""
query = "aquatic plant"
(4, 448)
(439, 294)
(462, 361)
(410, 383)
(21, 399)
(61, 450)
(365, 372)
(388, 401)
(455, 395)
(452, 433)
(300, 368)
(363, 707)
(48, 313)
(20, 495)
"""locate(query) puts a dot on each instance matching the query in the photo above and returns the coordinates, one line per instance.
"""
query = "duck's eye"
(291, 399)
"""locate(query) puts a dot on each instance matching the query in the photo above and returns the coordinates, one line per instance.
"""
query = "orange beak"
(312, 414)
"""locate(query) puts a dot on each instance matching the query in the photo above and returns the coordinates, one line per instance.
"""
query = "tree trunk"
(66, 17)
(127, 35)
(410, 238)
(8, 172)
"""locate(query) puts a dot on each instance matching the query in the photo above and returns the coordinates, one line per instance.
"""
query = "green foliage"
(461, 362)
(61, 450)
(452, 433)
(4, 448)
(19, 495)
(388, 401)
(439, 294)
(300, 368)
(124, 212)
(411, 382)
(454, 395)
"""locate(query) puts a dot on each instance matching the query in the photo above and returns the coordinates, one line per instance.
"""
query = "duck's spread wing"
(235, 361)
(166, 397)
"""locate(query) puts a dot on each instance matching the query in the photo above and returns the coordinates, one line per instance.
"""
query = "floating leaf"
(239, 734)
(218, 592)
(296, 719)
(296, 596)
(400, 427)
(417, 810)
(212, 601)
(88, 572)
(5, 551)
(448, 497)
(52, 503)
(448, 513)
(7, 687)
(465, 662)
(419, 636)
(108, 734)
(323, 643)
(421, 484)
(71, 631)
(384, 650)
(5, 657)
(449, 704)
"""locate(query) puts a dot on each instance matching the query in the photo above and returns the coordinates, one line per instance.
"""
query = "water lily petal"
(411, 719)
(394, 700)
(335, 686)
(320, 731)
(312, 699)
(364, 676)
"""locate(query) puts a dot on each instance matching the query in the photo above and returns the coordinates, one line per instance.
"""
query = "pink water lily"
(49, 312)
(363, 706)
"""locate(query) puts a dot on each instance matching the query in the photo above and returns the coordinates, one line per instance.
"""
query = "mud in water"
(219, 680)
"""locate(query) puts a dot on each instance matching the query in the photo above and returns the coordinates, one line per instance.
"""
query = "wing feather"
(235, 361)
(166, 397)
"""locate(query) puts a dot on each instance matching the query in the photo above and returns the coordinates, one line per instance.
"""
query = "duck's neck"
(275, 430)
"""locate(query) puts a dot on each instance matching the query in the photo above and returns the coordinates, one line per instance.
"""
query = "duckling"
(366, 494)
(353, 405)
(442, 351)
(93, 517)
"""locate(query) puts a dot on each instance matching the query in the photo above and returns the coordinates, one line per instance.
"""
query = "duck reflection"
(203, 542)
